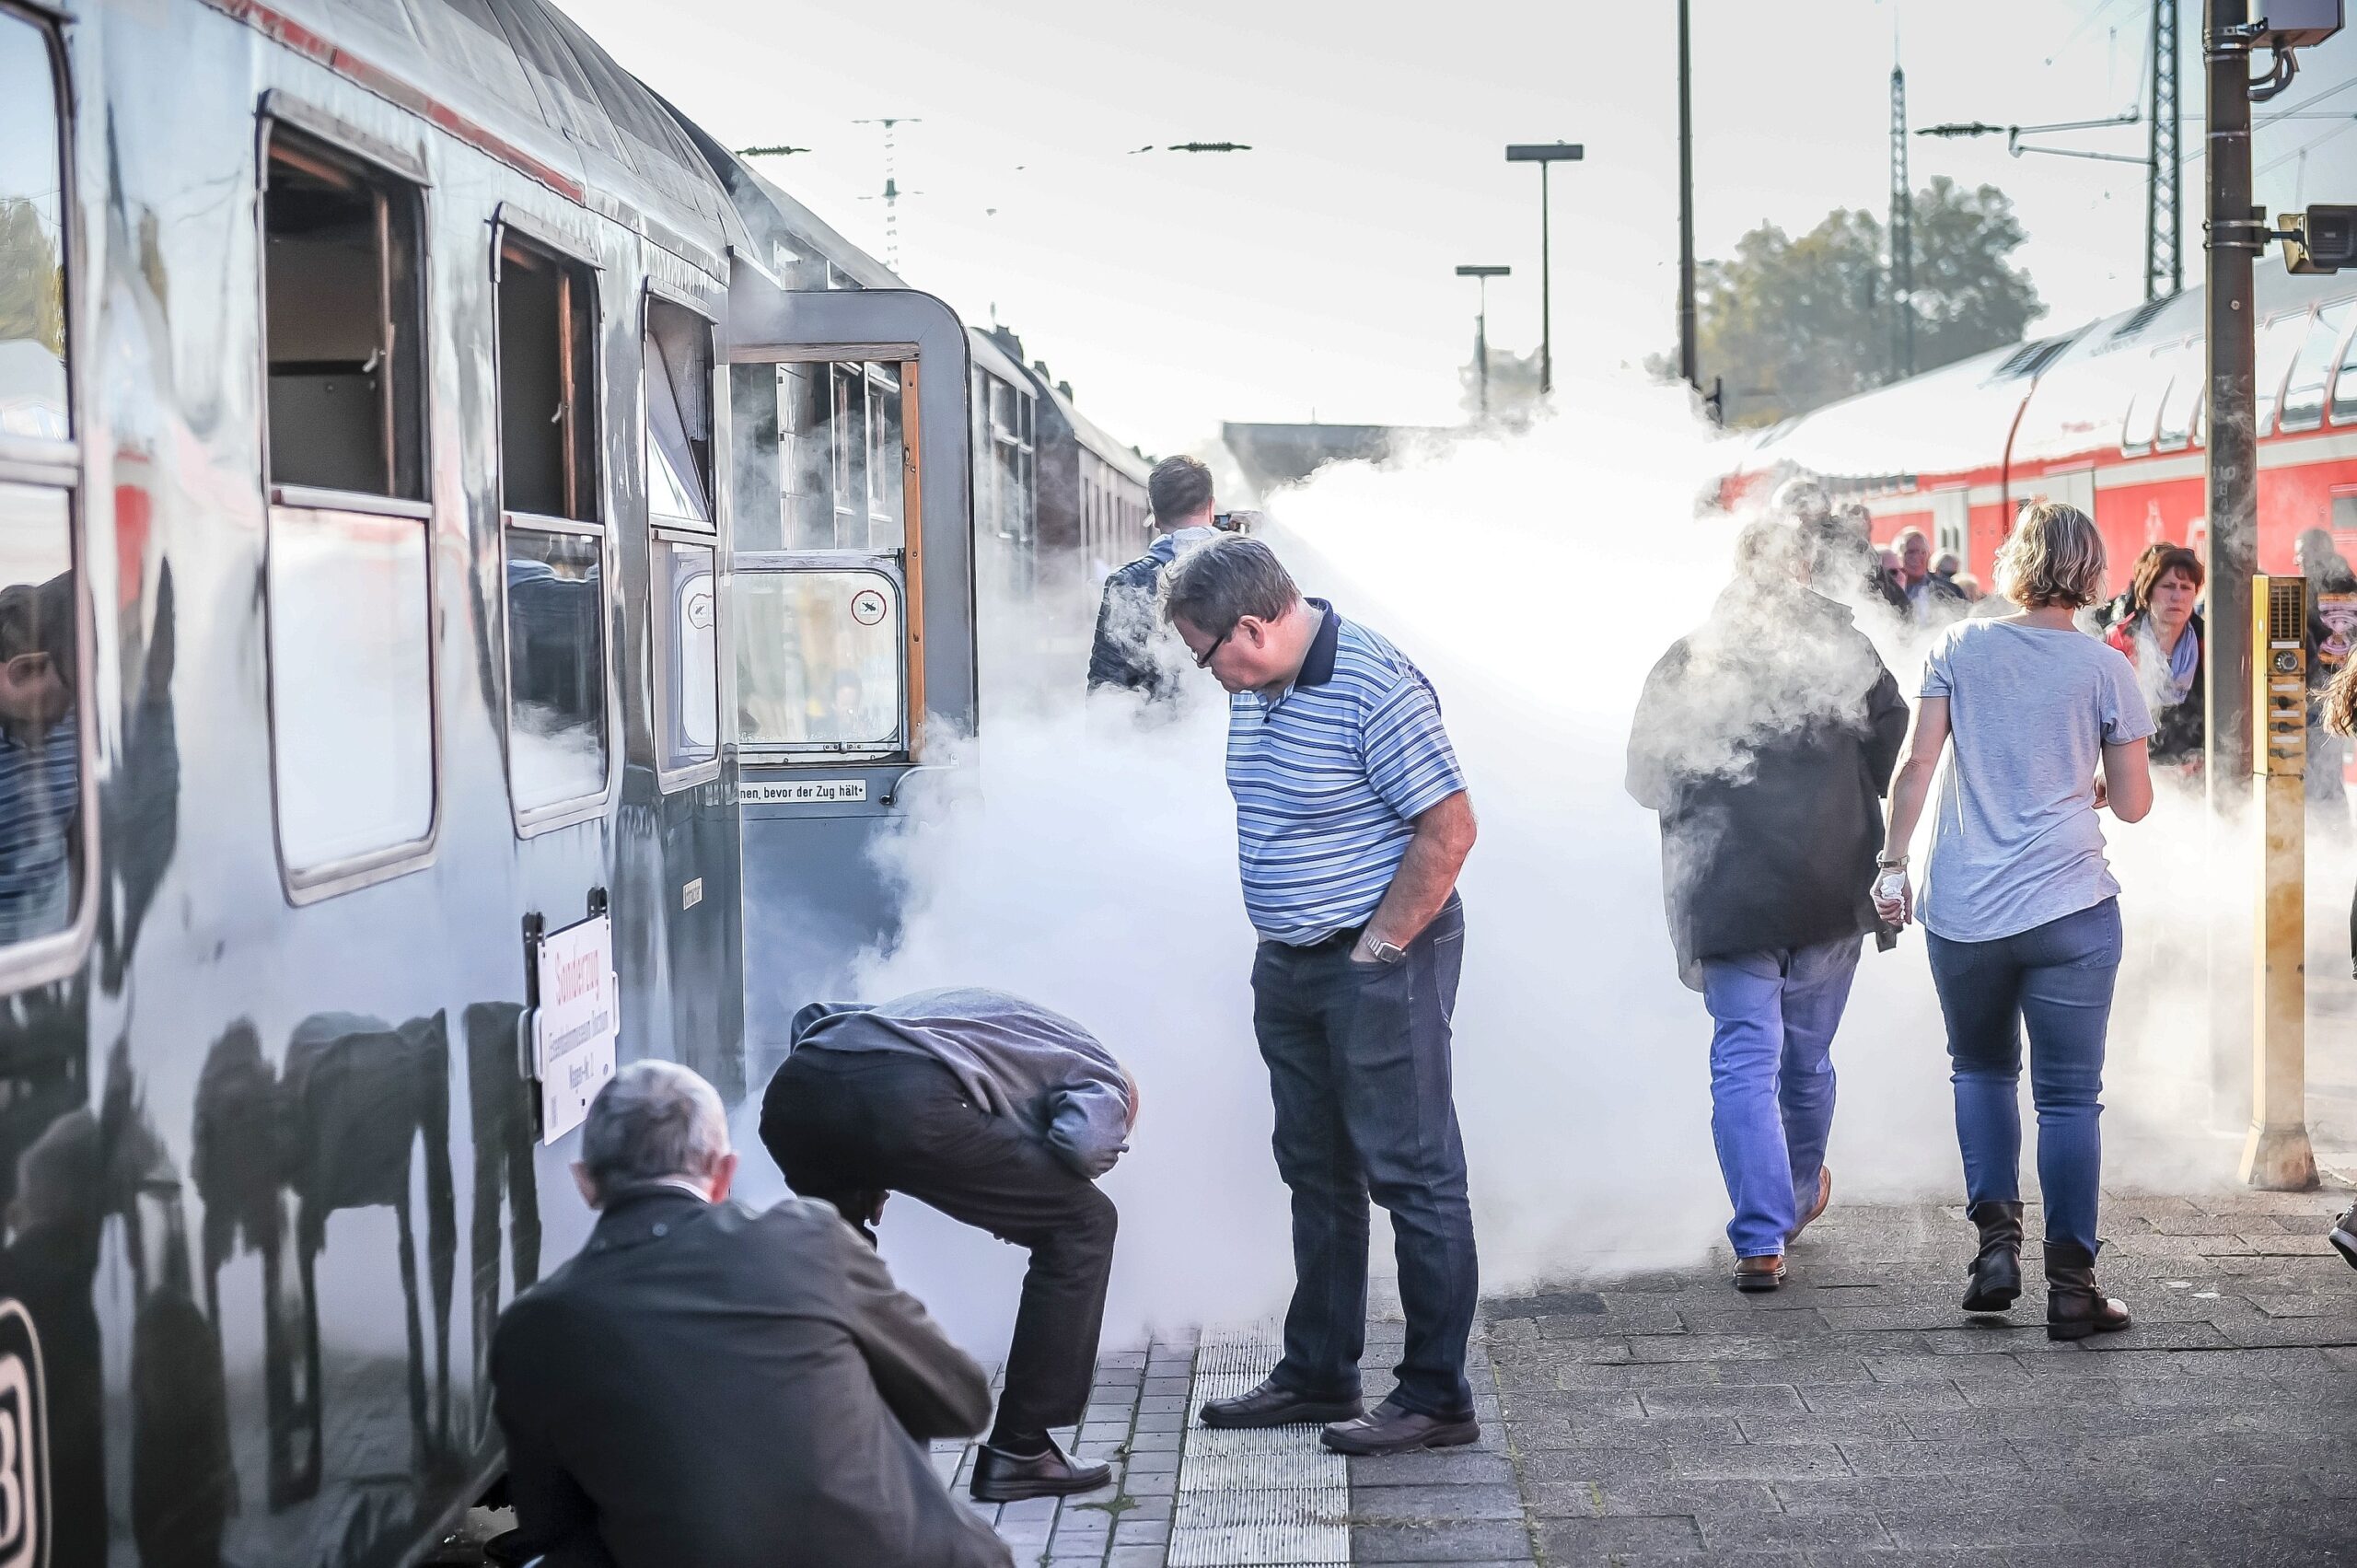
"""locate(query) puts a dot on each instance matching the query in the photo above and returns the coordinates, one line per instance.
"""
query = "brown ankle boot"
(2076, 1305)
(1996, 1271)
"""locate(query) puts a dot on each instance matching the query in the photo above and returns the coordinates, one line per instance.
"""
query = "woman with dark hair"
(2161, 633)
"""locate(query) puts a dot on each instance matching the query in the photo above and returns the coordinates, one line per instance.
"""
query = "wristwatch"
(1385, 952)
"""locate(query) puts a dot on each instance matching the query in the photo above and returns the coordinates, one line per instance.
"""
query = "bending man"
(1002, 1115)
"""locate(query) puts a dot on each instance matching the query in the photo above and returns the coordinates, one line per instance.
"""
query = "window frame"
(61, 466)
(889, 564)
(378, 161)
(2340, 387)
(512, 224)
(712, 534)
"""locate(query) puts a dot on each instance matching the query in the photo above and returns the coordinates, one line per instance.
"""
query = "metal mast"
(1902, 236)
(2163, 256)
(891, 193)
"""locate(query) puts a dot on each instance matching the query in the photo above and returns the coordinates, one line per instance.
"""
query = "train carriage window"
(340, 320)
(33, 405)
(2344, 388)
(2312, 368)
(685, 591)
(351, 686)
(678, 416)
(2180, 405)
(2279, 342)
(42, 831)
(558, 745)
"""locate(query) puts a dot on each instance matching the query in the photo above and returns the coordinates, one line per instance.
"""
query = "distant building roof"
(1275, 454)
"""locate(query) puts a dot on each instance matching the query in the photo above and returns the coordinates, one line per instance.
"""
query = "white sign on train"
(577, 1022)
(802, 792)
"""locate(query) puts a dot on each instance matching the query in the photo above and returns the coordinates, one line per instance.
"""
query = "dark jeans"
(2058, 978)
(844, 1125)
(1358, 1060)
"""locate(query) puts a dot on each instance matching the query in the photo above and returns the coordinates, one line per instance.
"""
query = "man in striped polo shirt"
(1353, 821)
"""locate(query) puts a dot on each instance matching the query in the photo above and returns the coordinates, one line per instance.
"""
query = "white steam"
(1536, 578)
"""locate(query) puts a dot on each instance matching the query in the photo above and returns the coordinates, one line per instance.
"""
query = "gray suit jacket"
(706, 1384)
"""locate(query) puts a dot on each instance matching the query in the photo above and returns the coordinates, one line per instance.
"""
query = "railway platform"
(1854, 1418)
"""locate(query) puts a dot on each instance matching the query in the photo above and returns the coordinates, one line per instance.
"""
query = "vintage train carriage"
(2109, 418)
(409, 490)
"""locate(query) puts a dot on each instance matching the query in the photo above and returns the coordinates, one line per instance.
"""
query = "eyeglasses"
(1203, 659)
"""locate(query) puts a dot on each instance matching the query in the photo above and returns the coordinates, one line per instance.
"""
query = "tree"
(1793, 324)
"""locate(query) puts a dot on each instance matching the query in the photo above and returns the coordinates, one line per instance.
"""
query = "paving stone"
(1473, 1541)
(1755, 1461)
(1435, 1501)
(1620, 1537)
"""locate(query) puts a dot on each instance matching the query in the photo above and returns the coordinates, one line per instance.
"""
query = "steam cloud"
(1536, 578)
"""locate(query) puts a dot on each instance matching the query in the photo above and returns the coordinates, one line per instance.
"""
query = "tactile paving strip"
(1269, 1498)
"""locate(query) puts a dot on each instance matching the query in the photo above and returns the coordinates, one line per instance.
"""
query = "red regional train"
(2109, 418)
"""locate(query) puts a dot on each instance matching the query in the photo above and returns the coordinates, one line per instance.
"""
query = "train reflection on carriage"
(2110, 418)
(468, 549)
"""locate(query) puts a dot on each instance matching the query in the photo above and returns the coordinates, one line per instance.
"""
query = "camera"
(1236, 522)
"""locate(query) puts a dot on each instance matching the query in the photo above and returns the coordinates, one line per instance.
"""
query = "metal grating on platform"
(1274, 1498)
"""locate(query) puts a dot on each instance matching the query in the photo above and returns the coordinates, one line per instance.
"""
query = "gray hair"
(1223, 580)
(653, 1120)
(2054, 556)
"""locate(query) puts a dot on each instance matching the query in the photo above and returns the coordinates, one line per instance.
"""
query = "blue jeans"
(1358, 1060)
(2057, 978)
(1772, 1080)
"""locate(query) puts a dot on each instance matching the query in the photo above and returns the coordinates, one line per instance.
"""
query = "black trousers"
(1359, 1063)
(842, 1124)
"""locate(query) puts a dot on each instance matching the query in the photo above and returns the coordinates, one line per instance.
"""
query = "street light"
(1482, 325)
(1543, 154)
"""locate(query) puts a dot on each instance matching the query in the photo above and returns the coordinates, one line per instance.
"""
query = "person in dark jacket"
(1132, 651)
(1002, 1115)
(704, 1384)
(2161, 633)
(1765, 741)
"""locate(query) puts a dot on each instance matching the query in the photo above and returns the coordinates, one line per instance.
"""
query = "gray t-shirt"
(2016, 841)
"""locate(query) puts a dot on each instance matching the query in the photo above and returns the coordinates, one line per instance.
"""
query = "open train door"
(851, 604)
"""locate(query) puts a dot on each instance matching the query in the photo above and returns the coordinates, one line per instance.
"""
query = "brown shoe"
(1823, 1196)
(1763, 1273)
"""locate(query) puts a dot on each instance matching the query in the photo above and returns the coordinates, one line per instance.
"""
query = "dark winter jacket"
(1765, 741)
(2180, 726)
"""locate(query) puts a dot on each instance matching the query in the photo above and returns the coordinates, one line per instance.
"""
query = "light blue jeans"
(1772, 1080)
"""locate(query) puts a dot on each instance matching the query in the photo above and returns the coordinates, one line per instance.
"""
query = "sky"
(1313, 276)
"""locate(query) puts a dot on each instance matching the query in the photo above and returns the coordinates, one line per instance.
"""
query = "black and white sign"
(576, 1024)
(802, 792)
(867, 606)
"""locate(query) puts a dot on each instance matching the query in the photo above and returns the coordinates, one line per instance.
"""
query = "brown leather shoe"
(1754, 1274)
(1823, 1196)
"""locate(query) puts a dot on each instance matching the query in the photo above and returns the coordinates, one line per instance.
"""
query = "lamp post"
(1544, 154)
(1482, 325)
(1689, 366)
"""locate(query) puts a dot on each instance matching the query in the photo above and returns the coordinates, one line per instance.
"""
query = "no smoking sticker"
(867, 606)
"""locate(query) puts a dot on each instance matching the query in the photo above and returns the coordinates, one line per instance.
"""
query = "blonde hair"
(2053, 557)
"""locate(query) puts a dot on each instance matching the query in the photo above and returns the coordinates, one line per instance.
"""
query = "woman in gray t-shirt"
(2019, 909)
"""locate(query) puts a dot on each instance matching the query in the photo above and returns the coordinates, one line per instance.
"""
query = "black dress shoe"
(1001, 1477)
(1273, 1404)
(1387, 1429)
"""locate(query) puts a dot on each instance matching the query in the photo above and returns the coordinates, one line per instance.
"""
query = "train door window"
(2344, 512)
(822, 646)
(1952, 522)
(33, 403)
(558, 744)
(2279, 342)
(820, 656)
(341, 322)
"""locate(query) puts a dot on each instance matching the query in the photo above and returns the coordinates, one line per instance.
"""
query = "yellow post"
(2276, 1155)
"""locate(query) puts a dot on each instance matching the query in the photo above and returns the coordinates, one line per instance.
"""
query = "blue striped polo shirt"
(1329, 779)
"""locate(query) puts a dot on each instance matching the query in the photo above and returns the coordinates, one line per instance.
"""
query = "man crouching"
(1002, 1115)
(703, 1384)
